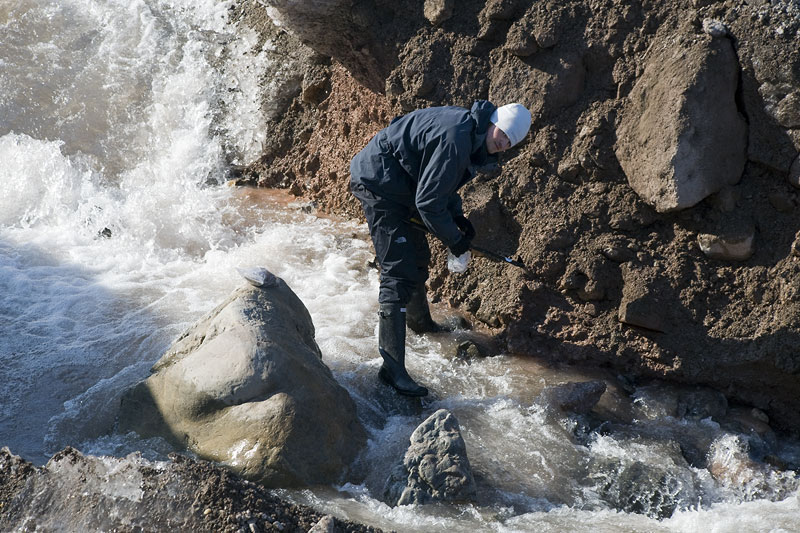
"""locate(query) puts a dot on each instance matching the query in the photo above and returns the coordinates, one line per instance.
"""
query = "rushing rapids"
(118, 122)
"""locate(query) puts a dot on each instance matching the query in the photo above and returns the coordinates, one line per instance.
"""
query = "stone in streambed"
(77, 492)
(435, 467)
(579, 398)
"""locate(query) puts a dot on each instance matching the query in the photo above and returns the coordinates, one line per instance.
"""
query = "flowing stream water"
(118, 120)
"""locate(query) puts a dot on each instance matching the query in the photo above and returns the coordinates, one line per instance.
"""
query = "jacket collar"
(481, 112)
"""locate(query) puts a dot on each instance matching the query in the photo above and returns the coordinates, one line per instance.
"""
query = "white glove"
(458, 264)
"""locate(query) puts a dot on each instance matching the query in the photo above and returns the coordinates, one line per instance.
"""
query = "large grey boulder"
(246, 387)
(681, 137)
(435, 467)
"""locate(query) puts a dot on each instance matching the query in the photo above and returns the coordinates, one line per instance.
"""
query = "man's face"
(496, 140)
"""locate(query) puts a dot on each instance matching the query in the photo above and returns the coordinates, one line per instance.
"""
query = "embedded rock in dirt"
(641, 305)
(681, 138)
(435, 467)
(551, 83)
(437, 11)
(736, 246)
(796, 245)
(787, 112)
(247, 387)
(521, 40)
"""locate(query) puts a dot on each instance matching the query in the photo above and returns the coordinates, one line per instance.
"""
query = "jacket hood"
(481, 112)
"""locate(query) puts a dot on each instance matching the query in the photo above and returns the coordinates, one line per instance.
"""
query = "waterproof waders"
(392, 347)
(419, 318)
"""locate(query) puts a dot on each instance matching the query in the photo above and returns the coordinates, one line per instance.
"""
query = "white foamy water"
(118, 120)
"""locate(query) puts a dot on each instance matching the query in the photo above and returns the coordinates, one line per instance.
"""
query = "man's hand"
(461, 247)
(465, 226)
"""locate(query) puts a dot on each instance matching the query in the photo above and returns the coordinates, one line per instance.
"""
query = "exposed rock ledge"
(76, 492)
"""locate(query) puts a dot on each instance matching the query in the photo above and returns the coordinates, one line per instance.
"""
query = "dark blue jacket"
(421, 159)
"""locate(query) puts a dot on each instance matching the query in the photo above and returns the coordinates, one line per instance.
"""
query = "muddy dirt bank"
(696, 284)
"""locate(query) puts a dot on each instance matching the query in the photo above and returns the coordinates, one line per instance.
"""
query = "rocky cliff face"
(655, 198)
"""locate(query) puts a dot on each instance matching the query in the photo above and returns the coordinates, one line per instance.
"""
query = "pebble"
(715, 28)
(207, 512)
(618, 254)
(737, 247)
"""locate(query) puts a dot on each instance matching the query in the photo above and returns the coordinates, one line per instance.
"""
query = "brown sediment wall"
(706, 293)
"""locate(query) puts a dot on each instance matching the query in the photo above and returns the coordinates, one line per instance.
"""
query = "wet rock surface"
(730, 319)
(573, 397)
(76, 492)
(246, 386)
(435, 467)
(672, 442)
(638, 487)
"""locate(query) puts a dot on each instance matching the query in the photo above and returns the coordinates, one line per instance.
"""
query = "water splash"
(115, 235)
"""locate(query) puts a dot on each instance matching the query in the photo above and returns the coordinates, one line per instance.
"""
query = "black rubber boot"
(392, 347)
(419, 315)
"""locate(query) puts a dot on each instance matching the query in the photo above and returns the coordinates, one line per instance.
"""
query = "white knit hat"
(514, 120)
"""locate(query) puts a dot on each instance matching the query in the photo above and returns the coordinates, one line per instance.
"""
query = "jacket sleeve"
(444, 163)
(454, 205)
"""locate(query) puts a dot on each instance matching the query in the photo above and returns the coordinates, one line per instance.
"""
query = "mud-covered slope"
(704, 293)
